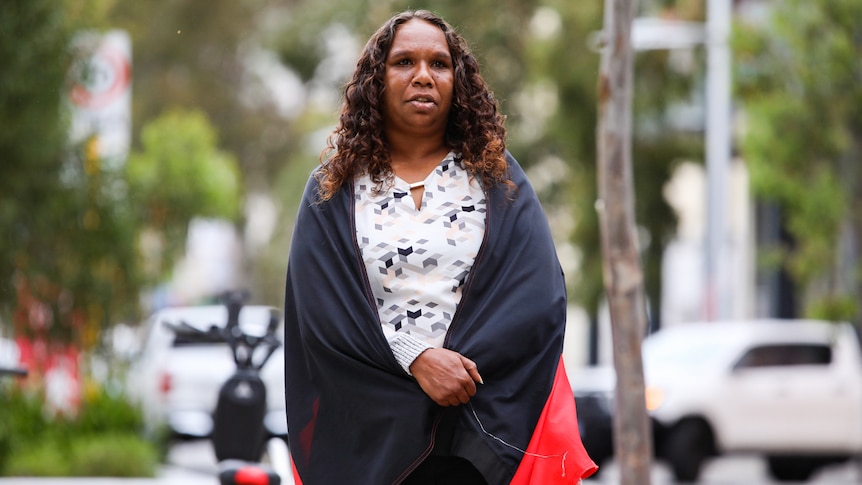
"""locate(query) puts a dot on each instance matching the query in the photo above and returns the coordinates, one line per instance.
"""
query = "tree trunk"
(623, 276)
(853, 264)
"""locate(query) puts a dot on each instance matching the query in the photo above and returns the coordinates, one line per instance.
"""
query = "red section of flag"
(296, 479)
(556, 455)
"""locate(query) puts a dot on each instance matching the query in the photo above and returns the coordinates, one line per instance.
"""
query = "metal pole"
(716, 301)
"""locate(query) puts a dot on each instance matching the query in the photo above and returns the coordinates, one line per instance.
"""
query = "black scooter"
(239, 435)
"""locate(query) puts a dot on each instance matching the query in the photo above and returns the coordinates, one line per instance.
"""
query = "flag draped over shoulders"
(354, 416)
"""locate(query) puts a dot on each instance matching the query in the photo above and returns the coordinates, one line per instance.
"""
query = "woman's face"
(418, 82)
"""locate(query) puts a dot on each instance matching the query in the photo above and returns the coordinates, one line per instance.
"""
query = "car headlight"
(654, 397)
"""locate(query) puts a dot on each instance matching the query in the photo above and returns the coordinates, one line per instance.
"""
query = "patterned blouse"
(418, 259)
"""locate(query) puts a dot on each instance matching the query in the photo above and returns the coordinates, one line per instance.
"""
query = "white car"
(789, 390)
(9, 359)
(177, 380)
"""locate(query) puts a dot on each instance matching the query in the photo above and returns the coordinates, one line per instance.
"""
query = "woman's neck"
(414, 163)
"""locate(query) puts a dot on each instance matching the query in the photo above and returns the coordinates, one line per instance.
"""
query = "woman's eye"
(403, 62)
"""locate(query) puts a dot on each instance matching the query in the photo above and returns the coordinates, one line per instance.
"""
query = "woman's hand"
(446, 376)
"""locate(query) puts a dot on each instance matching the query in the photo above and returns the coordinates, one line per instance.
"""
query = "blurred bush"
(112, 455)
(44, 460)
(23, 421)
(104, 438)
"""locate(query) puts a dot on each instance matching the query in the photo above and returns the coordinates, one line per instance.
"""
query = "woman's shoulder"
(516, 172)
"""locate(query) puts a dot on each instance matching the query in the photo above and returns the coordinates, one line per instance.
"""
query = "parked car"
(177, 380)
(593, 388)
(9, 359)
(790, 390)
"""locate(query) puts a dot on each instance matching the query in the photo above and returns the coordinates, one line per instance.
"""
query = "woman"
(425, 306)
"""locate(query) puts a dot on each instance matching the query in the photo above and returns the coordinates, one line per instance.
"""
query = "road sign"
(100, 96)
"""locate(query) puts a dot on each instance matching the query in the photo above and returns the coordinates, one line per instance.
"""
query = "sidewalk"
(168, 475)
(187, 463)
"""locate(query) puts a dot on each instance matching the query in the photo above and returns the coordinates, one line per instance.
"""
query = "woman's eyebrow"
(440, 54)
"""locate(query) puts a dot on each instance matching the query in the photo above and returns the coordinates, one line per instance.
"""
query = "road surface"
(193, 463)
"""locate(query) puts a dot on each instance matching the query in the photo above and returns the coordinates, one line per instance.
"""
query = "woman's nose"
(423, 74)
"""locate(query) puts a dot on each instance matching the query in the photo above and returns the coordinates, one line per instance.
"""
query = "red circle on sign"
(115, 68)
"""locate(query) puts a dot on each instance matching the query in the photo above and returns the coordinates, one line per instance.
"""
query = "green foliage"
(104, 455)
(301, 48)
(269, 272)
(22, 418)
(198, 55)
(209, 58)
(112, 455)
(180, 174)
(69, 261)
(103, 439)
(31, 460)
(33, 38)
(803, 106)
(834, 309)
(567, 61)
(108, 412)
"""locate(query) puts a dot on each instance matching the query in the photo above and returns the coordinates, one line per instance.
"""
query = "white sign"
(101, 95)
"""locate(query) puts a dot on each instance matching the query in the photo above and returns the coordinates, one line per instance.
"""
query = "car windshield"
(681, 349)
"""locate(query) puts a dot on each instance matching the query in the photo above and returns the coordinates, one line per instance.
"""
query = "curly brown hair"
(474, 129)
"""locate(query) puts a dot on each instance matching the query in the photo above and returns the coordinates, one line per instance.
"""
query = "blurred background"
(153, 154)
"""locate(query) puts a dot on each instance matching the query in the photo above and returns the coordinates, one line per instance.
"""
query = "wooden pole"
(623, 276)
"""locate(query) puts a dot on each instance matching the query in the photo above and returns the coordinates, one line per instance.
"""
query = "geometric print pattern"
(417, 260)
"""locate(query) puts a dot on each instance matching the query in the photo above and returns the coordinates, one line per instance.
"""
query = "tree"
(658, 145)
(33, 38)
(70, 264)
(213, 57)
(803, 143)
(623, 277)
(178, 175)
(56, 276)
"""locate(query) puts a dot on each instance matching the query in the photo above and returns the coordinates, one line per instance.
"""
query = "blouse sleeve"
(405, 347)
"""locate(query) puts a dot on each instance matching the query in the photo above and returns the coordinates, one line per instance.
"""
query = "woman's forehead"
(418, 33)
